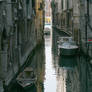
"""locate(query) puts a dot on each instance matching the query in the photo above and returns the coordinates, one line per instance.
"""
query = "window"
(33, 3)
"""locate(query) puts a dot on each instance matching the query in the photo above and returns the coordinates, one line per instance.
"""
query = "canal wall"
(18, 36)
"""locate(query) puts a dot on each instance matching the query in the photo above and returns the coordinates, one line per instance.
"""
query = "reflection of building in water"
(61, 77)
(39, 66)
(65, 71)
(63, 80)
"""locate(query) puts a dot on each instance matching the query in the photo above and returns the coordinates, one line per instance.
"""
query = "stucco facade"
(75, 19)
(19, 30)
(66, 16)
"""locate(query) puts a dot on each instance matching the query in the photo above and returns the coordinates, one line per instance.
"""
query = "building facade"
(47, 8)
(19, 30)
(74, 17)
(66, 16)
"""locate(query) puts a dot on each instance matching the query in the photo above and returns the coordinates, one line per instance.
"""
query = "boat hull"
(64, 51)
(29, 87)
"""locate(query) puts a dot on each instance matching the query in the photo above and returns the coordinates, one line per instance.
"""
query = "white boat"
(67, 47)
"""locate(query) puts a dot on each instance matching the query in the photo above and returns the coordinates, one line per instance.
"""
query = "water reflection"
(65, 67)
(65, 71)
(54, 73)
(68, 62)
(58, 69)
(50, 76)
(38, 65)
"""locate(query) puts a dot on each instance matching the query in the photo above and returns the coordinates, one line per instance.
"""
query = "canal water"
(54, 73)
(50, 75)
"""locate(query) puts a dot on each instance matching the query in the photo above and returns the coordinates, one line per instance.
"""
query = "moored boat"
(67, 46)
(27, 78)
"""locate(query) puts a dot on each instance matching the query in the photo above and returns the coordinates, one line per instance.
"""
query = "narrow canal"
(50, 75)
(54, 73)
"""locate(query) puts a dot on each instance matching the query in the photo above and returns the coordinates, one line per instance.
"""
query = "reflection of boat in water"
(27, 78)
(67, 62)
(68, 47)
